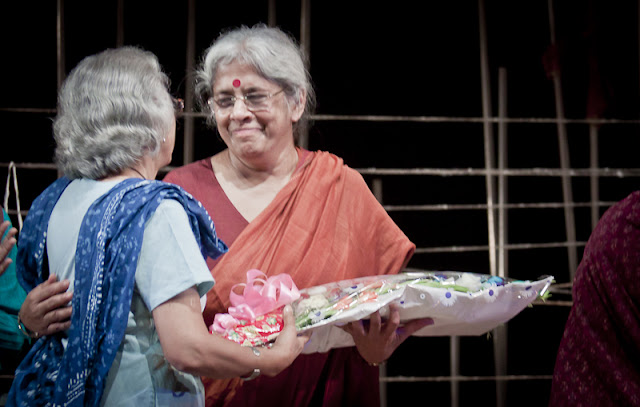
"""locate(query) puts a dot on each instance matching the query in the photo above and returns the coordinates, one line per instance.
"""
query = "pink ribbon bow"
(261, 294)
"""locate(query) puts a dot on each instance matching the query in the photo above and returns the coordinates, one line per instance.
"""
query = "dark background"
(404, 58)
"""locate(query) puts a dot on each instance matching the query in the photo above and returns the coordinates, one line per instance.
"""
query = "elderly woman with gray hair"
(133, 250)
(284, 209)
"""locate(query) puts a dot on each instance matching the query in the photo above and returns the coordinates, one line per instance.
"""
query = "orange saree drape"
(325, 225)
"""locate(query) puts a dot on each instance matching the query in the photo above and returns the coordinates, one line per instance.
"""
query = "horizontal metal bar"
(527, 205)
(561, 291)
(538, 172)
(27, 110)
(32, 166)
(563, 285)
(408, 379)
(483, 248)
(394, 118)
(553, 303)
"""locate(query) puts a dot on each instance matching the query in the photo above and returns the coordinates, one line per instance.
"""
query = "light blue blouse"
(170, 262)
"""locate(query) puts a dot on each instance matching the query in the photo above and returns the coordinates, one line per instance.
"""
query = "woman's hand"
(6, 245)
(379, 340)
(45, 309)
(189, 347)
(288, 344)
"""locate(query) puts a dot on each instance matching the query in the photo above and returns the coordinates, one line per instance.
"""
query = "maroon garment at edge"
(598, 362)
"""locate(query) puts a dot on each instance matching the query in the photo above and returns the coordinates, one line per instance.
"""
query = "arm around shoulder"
(45, 310)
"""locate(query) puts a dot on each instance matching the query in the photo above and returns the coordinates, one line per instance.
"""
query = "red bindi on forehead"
(236, 83)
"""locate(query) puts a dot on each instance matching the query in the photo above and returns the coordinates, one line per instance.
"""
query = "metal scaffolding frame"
(495, 173)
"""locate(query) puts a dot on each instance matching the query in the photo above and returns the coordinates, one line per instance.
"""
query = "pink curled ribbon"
(261, 294)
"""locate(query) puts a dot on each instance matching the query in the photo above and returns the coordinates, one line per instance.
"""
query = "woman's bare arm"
(188, 345)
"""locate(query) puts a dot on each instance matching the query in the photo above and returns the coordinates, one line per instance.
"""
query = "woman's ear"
(298, 108)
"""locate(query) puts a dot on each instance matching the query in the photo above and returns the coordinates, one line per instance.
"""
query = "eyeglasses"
(178, 104)
(254, 101)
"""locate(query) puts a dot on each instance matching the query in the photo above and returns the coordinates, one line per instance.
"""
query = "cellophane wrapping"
(460, 303)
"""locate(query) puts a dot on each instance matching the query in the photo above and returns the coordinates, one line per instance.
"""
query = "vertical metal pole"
(120, 24)
(189, 97)
(305, 28)
(594, 179)
(60, 55)
(489, 160)
(502, 179)
(500, 333)
(569, 220)
(488, 137)
(377, 192)
(60, 52)
(305, 44)
(271, 13)
(454, 366)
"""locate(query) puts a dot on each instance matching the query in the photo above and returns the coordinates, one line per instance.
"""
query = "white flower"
(350, 289)
(314, 302)
(471, 281)
(448, 298)
(316, 290)
(317, 316)
(491, 293)
(528, 292)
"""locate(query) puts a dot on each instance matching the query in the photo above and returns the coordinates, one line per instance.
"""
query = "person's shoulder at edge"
(615, 218)
(633, 199)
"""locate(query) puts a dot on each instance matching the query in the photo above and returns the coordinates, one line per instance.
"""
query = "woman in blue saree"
(133, 250)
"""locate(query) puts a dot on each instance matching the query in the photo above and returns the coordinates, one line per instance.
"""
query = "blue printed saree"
(107, 252)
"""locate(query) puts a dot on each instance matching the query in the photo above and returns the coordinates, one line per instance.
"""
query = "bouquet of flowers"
(255, 317)
(460, 304)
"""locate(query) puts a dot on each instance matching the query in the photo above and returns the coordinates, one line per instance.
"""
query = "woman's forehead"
(235, 69)
(238, 75)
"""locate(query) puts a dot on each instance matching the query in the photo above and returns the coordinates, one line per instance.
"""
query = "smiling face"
(253, 133)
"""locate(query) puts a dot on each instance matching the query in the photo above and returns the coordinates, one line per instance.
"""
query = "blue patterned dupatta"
(106, 259)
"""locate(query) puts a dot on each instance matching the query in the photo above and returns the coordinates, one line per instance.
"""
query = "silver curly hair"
(113, 109)
(271, 52)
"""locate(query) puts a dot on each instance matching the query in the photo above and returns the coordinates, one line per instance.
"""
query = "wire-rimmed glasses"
(253, 101)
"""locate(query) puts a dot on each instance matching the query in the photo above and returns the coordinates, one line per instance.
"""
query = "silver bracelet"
(256, 371)
(25, 331)
(253, 375)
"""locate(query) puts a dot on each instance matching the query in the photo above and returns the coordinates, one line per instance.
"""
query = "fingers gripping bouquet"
(459, 303)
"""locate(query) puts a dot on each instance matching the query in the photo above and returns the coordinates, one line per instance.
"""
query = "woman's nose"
(239, 109)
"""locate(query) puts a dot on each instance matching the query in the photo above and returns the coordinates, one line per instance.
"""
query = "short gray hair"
(113, 109)
(272, 53)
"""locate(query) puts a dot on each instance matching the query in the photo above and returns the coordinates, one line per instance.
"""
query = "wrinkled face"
(253, 115)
